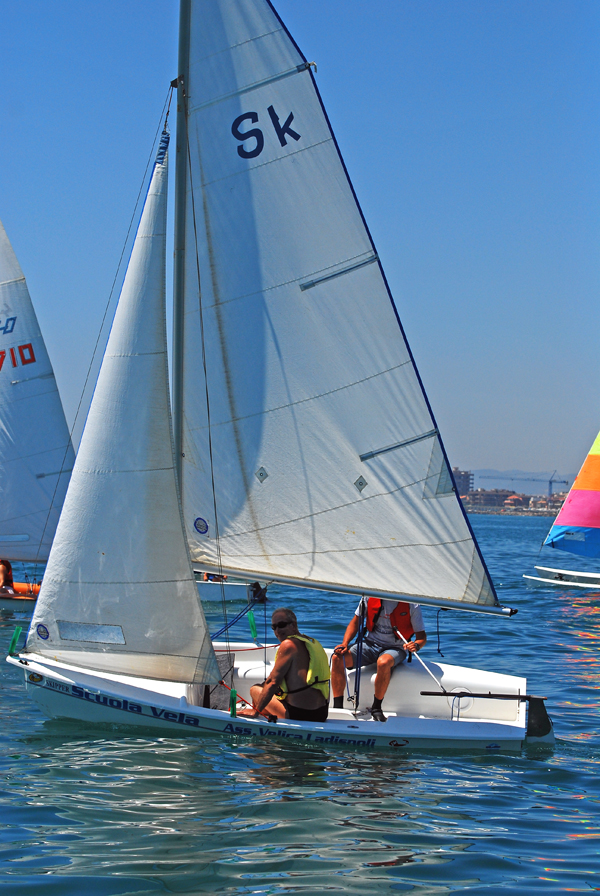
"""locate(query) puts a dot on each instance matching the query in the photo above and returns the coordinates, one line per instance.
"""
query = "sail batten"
(309, 450)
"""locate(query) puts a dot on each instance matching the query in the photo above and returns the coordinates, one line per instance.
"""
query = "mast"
(181, 166)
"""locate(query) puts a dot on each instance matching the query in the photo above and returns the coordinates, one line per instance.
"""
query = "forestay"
(36, 455)
(119, 592)
(309, 446)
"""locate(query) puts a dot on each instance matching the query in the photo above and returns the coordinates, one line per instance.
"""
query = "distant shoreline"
(501, 511)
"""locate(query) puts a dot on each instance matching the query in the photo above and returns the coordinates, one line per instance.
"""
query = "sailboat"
(302, 448)
(36, 454)
(576, 528)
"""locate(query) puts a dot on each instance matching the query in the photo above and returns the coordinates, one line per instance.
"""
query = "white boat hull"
(565, 578)
(418, 722)
(218, 591)
(17, 603)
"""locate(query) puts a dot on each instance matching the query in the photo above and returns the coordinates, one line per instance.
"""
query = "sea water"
(103, 811)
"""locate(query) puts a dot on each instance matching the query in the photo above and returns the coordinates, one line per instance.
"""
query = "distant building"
(464, 480)
(493, 498)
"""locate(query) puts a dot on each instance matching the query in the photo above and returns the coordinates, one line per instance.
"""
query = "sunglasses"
(277, 625)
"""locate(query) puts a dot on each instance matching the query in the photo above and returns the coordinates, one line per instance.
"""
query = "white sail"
(119, 592)
(309, 446)
(36, 455)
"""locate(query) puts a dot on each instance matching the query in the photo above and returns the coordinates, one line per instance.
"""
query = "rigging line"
(205, 370)
(167, 105)
(228, 625)
(425, 666)
(439, 646)
(359, 651)
(265, 635)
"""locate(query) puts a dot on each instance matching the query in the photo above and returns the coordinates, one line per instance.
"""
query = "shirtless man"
(298, 685)
(6, 577)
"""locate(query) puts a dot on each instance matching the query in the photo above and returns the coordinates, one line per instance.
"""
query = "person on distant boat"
(6, 577)
(388, 623)
(298, 685)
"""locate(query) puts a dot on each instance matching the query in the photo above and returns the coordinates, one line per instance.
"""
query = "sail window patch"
(261, 474)
(439, 481)
(361, 483)
(89, 631)
(201, 526)
(345, 270)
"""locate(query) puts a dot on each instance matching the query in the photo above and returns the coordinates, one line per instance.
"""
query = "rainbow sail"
(577, 527)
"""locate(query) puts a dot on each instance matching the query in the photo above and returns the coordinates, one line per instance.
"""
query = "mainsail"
(577, 527)
(36, 455)
(309, 450)
(119, 593)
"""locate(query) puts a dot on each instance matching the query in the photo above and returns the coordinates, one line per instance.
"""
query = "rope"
(425, 666)
(267, 715)
(235, 619)
(359, 646)
(441, 609)
(248, 649)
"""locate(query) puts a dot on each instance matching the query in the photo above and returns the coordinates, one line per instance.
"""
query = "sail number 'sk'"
(26, 354)
(282, 130)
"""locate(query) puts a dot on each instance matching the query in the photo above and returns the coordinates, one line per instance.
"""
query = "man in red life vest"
(6, 577)
(391, 627)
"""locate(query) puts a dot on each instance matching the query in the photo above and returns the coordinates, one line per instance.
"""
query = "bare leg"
(385, 667)
(274, 707)
(338, 674)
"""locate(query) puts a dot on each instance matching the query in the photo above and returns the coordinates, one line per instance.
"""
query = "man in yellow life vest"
(298, 685)
(390, 627)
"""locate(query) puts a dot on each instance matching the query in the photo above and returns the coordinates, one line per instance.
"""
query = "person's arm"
(351, 631)
(285, 654)
(3, 575)
(420, 640)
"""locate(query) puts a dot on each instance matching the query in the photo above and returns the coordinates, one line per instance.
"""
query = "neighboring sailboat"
(576, 528)
(304, 444)
(36, 455)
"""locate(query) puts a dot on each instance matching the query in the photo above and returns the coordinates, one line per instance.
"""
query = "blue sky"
(470, 131)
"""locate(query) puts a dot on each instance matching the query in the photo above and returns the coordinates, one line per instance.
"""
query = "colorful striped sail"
(577, 527)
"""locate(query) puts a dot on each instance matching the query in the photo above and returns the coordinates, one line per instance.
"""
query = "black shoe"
(377, 714)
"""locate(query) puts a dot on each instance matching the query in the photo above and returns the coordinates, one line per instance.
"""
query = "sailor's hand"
(411, 647)
(249, 713)
(340, 650)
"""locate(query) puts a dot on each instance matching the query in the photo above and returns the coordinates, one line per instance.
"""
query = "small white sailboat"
(36, 455)
(576, 529)
(305, 451)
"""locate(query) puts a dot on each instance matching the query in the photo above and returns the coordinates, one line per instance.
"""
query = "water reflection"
(105, 813)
